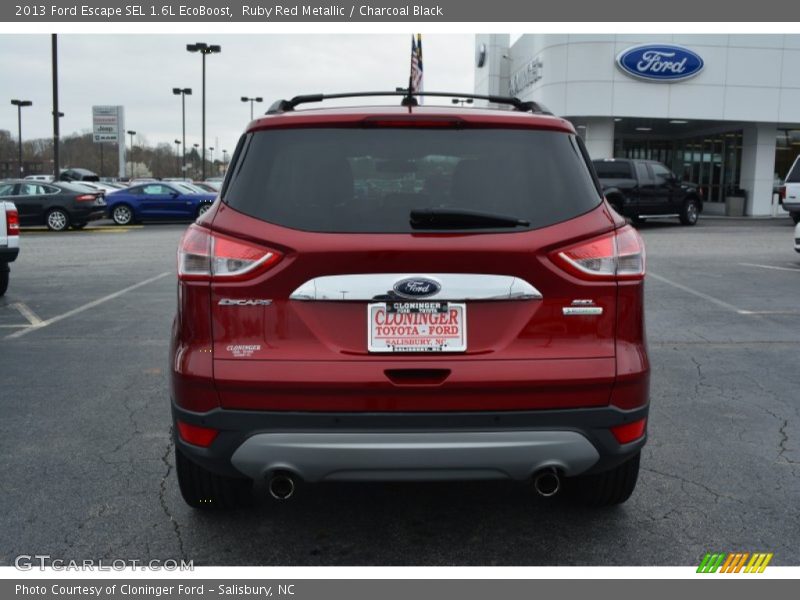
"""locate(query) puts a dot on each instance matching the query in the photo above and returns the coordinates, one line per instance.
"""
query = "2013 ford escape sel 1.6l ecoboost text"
(409, 293)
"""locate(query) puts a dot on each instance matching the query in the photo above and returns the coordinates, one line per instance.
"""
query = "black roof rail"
(281, 106)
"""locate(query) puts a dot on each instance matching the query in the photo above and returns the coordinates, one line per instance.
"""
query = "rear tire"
(203, 208)
(122, 214)
(57, 220)
(607, 488)
(690, 212)
(203, 489)
(4, 275)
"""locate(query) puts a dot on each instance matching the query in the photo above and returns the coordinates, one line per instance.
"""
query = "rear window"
(794, 172)
(612, 169)
(369, 180)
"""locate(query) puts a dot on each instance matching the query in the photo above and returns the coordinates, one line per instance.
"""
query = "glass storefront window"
(712, 161)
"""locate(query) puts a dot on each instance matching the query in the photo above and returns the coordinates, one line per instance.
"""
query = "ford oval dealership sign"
(660, 62)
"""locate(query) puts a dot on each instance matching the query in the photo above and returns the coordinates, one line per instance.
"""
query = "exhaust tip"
(281, 486)
(547, 483)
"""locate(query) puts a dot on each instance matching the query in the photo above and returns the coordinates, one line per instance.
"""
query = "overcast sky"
(139, 72)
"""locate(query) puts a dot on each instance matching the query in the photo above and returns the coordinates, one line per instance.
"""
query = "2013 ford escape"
(409, 293)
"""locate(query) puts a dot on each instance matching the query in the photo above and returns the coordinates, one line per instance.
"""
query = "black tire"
(122, 214)
(203, 208)
(795, 217)
(57, 219)
(79, 225)
(607, 488)
(203, 489)
(690, 211)
(4, 275)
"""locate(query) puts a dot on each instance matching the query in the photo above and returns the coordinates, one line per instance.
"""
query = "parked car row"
(212, 184)
(60, 205)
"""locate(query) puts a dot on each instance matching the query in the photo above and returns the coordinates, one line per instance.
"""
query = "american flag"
(416, 63)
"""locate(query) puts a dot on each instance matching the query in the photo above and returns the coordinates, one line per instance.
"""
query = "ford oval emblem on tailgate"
(416, 287)
(660, 62)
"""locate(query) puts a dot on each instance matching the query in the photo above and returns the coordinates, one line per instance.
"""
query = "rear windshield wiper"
(457, 218)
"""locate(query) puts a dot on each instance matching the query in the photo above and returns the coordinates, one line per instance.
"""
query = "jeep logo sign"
(416, 287)
(660, 62)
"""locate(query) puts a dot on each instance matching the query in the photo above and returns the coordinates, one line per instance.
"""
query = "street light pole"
(204, 49)
(196, 146)
(19, 104)
(211, 156)
(56, 114)
(183, 93)
(251, 100)
(178, 157)
(130, 174)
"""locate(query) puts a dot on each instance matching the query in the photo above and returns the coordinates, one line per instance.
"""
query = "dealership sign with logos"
(660, 62)
(107, 123)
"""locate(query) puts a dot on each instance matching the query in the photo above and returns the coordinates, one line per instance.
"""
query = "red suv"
(409, 293)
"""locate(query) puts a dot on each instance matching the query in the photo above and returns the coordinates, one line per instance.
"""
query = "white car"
(790, 192)
(797, 238)
(47, 178)
(9, 241)
(98, 186)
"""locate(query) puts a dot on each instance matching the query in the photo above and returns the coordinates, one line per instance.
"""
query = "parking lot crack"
(162, 495)
(716, 495)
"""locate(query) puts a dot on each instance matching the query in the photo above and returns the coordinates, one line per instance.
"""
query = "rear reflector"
(618, 254)
(629, 432)
(12, 222)
(196, 435)
(204, 255)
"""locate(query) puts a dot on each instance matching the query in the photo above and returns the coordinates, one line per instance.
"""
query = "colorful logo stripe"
(734, 562)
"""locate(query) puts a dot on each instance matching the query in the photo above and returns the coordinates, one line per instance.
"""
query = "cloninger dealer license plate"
(417, 326)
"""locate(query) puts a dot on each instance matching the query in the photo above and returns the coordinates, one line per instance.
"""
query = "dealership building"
(722, 111)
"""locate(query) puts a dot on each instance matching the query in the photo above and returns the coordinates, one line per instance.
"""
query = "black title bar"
(243, 11)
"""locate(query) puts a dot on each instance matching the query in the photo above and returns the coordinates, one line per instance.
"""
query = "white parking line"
(86, 306)
(770, 267)
(689, 290)
(26, 312)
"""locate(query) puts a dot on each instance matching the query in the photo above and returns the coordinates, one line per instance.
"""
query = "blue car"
(158, 200)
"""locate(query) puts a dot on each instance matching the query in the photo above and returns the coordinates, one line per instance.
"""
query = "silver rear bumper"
(317, 457)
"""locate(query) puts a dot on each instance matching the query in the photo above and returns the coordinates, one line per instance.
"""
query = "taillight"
(205, 255)
(782, 192)
(616, 255)
(12, 222)
(629, 432)
(196, 435)
(85, 198)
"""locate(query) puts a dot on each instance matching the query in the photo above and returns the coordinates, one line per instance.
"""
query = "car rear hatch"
(357, 270)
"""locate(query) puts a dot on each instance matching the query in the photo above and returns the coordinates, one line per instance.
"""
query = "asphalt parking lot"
(87, 464)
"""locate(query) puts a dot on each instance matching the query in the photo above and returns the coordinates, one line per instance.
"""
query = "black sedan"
(58, 205)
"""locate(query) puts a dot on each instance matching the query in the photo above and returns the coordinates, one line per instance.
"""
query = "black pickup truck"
(646, 188)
